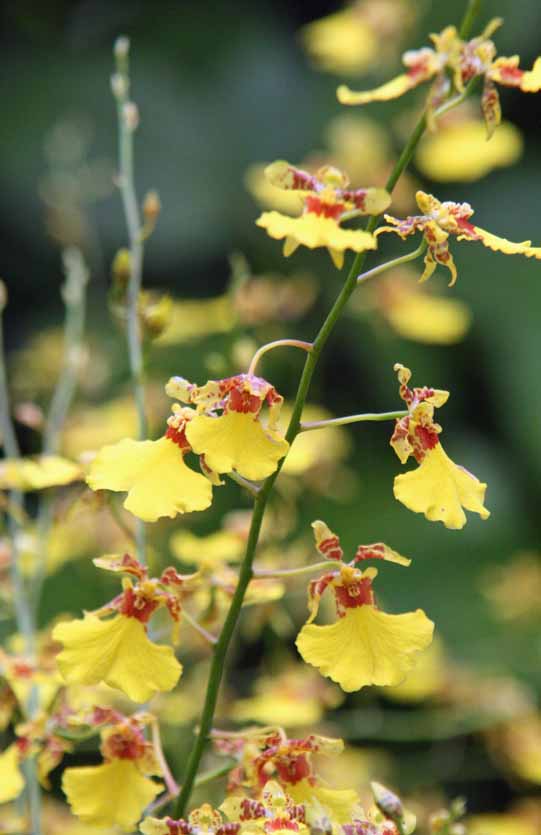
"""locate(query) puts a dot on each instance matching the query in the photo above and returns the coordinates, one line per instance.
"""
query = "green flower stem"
(396, 262)
(74, 296)
(260, 503)
(279, 343)
(23, 611)
(127, 124)
(286, 573)
(344, 421)
(470, 16)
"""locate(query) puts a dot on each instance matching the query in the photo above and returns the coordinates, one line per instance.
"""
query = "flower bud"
(122, 48)
(387, 802)
(130, 113)
(3, 296)
(151, 207)
(119, 86)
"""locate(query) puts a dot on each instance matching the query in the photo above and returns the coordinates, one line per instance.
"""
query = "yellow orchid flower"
(415, 313)
(350, 40)
(117, 650)
(116, 792)
(438, 487)
(327, 202)
(236, 439)
(459, 153)
(153, 473)
(438, 222)
(365, 645)
(37, 473)
(463, 61)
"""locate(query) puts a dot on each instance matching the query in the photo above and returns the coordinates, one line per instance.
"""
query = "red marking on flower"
(133, 603)
(127, 744)
(281, 823)
(228, 829)
(178, 827)
(370, 552)
(104, 716)
(173, 606)
(22, 669)
(353, 595)
(320, 208)
(171, 577)
(511, 75)
(357, 197)
(467, 228)
(330, 548)
(178, 436)
(23, 745)
(293, 769)
(318, 586)
(361, 828)
(419, 67)
(243, 401)
(297, 811)
(250, 809)
(426, 437)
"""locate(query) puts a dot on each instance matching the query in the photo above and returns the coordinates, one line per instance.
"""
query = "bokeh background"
(221, 87)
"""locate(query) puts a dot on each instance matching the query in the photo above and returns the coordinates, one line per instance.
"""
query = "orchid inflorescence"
(232, 427)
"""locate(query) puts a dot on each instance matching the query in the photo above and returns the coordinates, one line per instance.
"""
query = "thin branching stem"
(127, 124)
(374, 417)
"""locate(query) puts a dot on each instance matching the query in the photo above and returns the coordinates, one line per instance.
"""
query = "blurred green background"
(220, 86)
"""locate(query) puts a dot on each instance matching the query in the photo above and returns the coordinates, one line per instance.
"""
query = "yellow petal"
(501, 824)
(340, 804)
(366, 646)
(498, 244)
(112, 794)
(117, 652)
(154, 474)
(193, 319)
(37, 473)
(275, 709)
(11, 777)
(460, 152)
(391, 90)
(237, 441)
(440, 489)
(313, 231)
(531, 80)
(154, 826)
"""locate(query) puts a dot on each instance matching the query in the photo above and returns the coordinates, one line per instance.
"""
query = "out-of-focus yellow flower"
(236, 439)
(438, 222)
(37, 473)
(91, 427)
(23, 676)
(463, 61)
(518, 744)
(500, 824)
(153, 473)
(192, 318)
(438, 487)
(116, 792)
(208, 551)
(349, 41)
(293, 698)
(307, 452)
(459, 152)
(11, 776)
(417, 314)
(426, 680)
(514, 589)
(326, 202)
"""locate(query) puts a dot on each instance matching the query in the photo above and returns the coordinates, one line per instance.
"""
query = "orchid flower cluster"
(108, 675)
